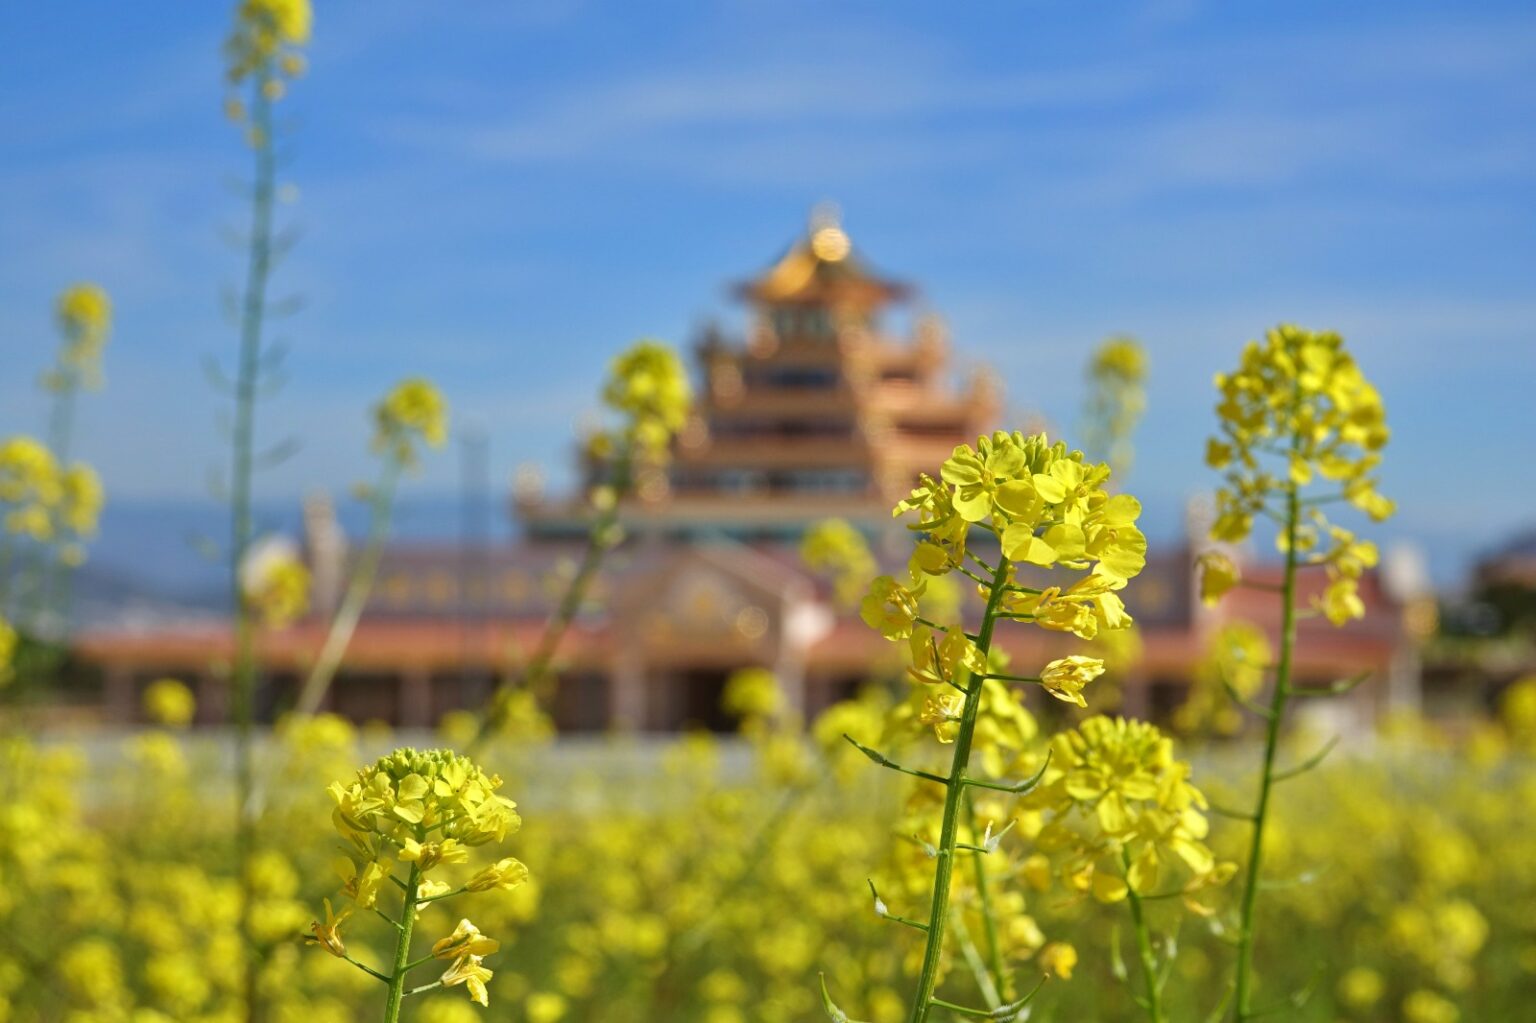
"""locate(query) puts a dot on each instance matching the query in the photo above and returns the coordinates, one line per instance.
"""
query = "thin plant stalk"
(978, 967)
(7, 555)
(61, 419)
(344, 624)
(1152, 997)
(1275, 716)
(405, 925)
(954, 796)
(53, 589)
(252, 316)
(536, 676)
(999, 973)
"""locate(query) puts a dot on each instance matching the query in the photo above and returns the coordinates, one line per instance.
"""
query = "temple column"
(803, 622)
(1136, 696)
(120, 695)
(789, 669)
(212, 689)
(416, 698)
(626, 695)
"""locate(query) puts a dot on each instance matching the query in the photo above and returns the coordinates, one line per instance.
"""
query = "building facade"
(818, 410)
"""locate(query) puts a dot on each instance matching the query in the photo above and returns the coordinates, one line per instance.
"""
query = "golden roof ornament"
(829, 243)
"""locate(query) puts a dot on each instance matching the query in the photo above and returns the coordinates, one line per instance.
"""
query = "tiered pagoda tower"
(817, 412)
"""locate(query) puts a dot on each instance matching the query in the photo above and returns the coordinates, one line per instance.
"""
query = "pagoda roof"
(822, 268)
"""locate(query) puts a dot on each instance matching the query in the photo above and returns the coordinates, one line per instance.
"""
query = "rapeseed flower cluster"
(8, 643)
(1122, 812)
(1297, 415)
(169, 702)
(1301, 428)
(275, 582)
(84, 314)
(421, 811)
(836, 549)
(46, 503)
(266, 44)
(1117, 399)
(31, 486)
(414, 411)
(1035, 528)
(1044, 507)
(649, 386)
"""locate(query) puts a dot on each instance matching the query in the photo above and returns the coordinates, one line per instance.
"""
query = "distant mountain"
(159, 561)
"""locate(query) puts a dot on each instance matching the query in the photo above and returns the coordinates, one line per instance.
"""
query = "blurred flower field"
(717, 889)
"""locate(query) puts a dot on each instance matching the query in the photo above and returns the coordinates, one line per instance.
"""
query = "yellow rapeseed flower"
(328, 934)
(84, 315)
(837, 549)
(1115, 794)
(1361, 987)
(169, 702)
(413, 410)
(890, 608)
(1049, 508)
(545, 1007)
(1058, 959)
(467, 970)
(753, 693)
(940, 656)
(8, 643)
(505, 874)
(1117, 398)
(81, 499)
(274, 582)
(649, 385)
(1218, 574)
(1065, 678)
(1425, 1006)
(1298, 414)
(31, 487)
(265, 38)
(466, 939)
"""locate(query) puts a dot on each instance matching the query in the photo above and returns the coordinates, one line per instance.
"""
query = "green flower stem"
(1282, 687)
(439, 898)
(537, 675)
(7, 555)
(977, 965)
(253, 309)
(953, 796)
(53, 590)
(402, 947)
(61, 418)
(359, 586)
(970, 575)
(424, 960)
(366, 968)
(1153, 1002)
(988, 919)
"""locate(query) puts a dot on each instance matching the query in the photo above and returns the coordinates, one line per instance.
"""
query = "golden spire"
(829, 243)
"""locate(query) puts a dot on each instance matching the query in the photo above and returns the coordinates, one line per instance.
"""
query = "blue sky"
(500, 195)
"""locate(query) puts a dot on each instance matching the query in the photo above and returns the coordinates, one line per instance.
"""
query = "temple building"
(818, 411)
